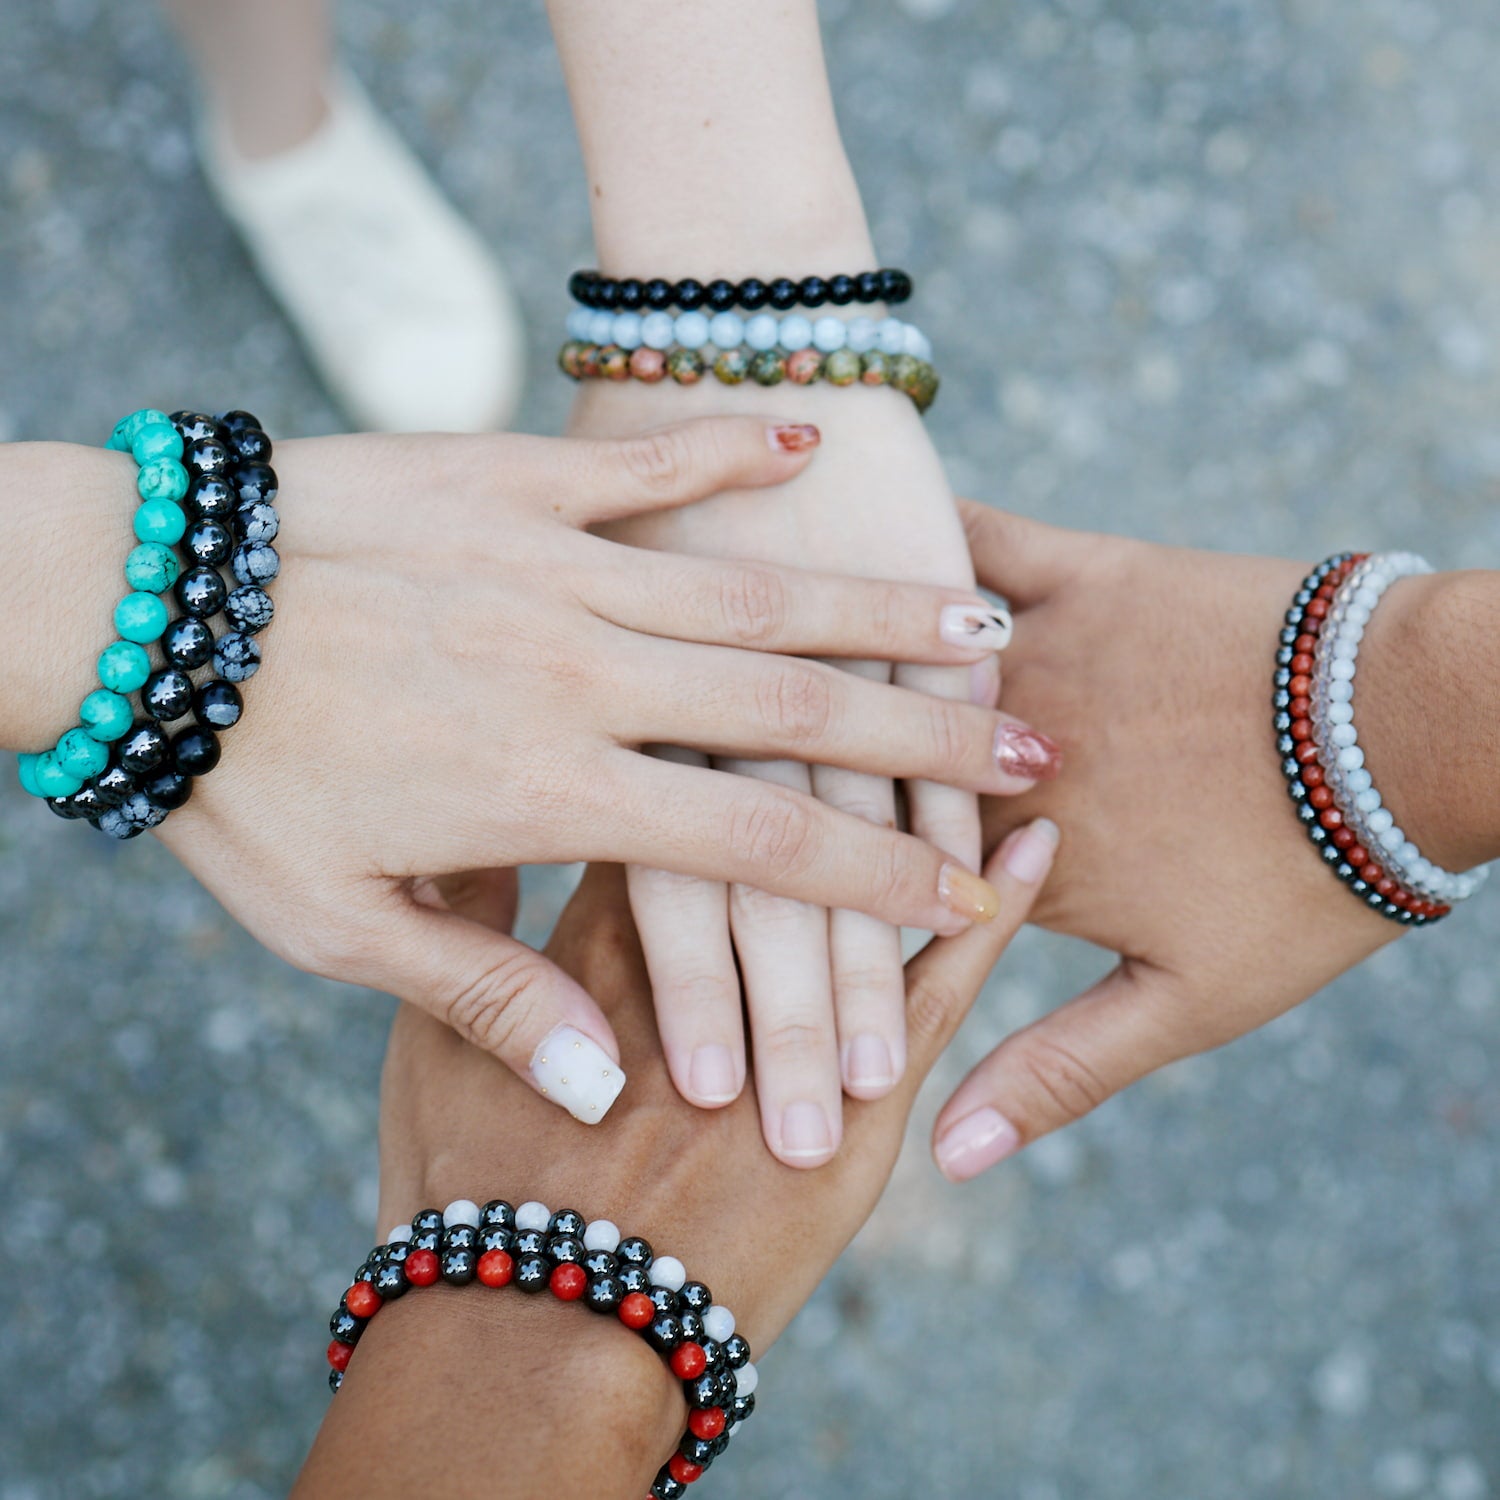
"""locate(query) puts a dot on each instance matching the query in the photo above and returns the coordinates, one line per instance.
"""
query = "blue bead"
(151, 568)
(601, 326)
(578, 323)
(141, 618)
(26, 770)
(161, 521)
(762, 331)
(106, 715)
(859, 334)
(156, 440)
(726, 330)
(52, 780)
(123, 437)
(657, 329)
(123, 666)
(890, 336)
(691, 330)
(796, 332)
(162, 479)
(80, 754)
(829, 334)
(626, 331)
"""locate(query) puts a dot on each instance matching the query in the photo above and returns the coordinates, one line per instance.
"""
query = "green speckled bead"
(875, 367)
(568, 358)
(122, 439)
(842, 367)
(732, 366)
(162, 479)
(588, 361)
(107, 716)
(905, 371)
(685, 366)
(161, 521)
(156, 440)
(26, 770)
(81, 755)
(52, 780)
(768, 367)
(927, 388)
(124, 666)
(141, 617)
(152, 568)
(614, 362)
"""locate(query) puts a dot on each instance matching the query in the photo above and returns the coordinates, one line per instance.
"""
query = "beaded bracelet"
(728, 330)
(913, 377)
(534, 1248)
(630, 294)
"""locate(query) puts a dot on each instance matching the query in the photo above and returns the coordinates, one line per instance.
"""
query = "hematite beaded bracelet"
(632, 294)
(535, 1249)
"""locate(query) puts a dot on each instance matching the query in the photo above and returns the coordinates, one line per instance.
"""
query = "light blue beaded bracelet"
(758, 332)
(140, 617)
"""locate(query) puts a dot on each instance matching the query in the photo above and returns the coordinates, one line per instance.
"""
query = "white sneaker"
(408, 317)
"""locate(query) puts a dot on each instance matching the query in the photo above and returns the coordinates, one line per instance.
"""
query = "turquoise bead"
(160, 521)
(52, 780)
(162, 479)
(26, 770)
(106, 715)
(124, 667)
(141, 617)
(80, 754)
(152, 568)
(156, 440)
(123, 437)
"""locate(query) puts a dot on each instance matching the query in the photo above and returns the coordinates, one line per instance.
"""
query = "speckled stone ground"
(1220, 271)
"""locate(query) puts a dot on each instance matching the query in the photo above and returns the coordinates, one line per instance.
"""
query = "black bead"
(395, 1255)
(494, 1237)
(1303, 598)
(208, 542)
(218, 705)
(212, 496)
(604, 1293)
(632, 295)
(237, 421)
(335, 1380)
(497, 1211)
(658, 294)
(532, 1273)
(841, 290)
(692, 1325)
(702, 1392)
(663, 1299)
(697, 1450)
(367, 1271)
(167, 695)
(1289, 634)
(1345, 871)
(713, 1352)
(167, 790)
(428, 1218)
(1332, 854)
(1294, 617)
(251, 446)
(236, 657)
(606, 294)
(255, 482)
(580, 283)
(206, 456)
(188, 643)
(1285, 745)
(567, 1221)
(634, 1251)
(530, 1242)
(89, 802)
(736, 1351)
(718, 296)
(457, 1267)
(144, 749)
(663, 1333)
(689, 294)
(425, 1239)
(867, 286)
(1315, 831)
(113, 784)
(257, 521)
(813, 291)
(201, 592)
(345, 1327)
(254, 562)
(634, 1278)
(194, 426)
(895, 286)
(459, 1237)
(63, 807)
(664, 1487)
(1281, 698)
(1282, 677)
(782, 293)
(753, 293)
(696, 1296)
(725, 1385)
(744, 1406)
(1284, 656)
(565, 1249)
(1297, 790)
(131, 818)
(600, 1263)
(1281, 723)
(390, 1280)
(1359, 887)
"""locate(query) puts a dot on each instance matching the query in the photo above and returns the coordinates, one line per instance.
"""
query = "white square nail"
(574, 1071)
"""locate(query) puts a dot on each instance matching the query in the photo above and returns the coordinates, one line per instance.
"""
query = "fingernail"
(796, 437)
(574, 1071)
(711, 1075)
(805, 1132)
(966, 894)
(984, 682)
(868, 1064)
(1028, 852)
(975, 1143)
(1024, 751)
(976, 627)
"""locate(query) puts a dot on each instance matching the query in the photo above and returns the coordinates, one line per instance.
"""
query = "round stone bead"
(213, 497)
(576, 324)
(195, 425)
(632, 293)
(752, 293)
(663, 1299)
(599, 1262)
(692, 1324)
(634, 1251)
(428, 1218)
(803, 366)
(666, 1486)
(841, 290)
(208, 542)
(144, 749)
(532, 1273)
(112, 785)
(719, 295)
(796, 333)
(533, 1215)
(726, 330)
(151, 568)
(495, 1267)
(160, 520)
(890, 336)
(167, 695)
(658, 294)
(566, 1221)
(196, 751)
(131, 818)
(842, 367)
(498, 1211)
(782, 293)
(218, 705)
(106, 715)
(601, 1235)
(625, 331)
(460, 1237)
(140, 617)
(667, 1271)
(494, 1237)
(458, 1267)
(237, 421)
(79, 755)
(122, 439)
(663, 1333)
(26, 766)
(201, 592)
(257, 521)
(603, 1294)
(746, 1378)
(255, 562)
(422, 1268)
(188, 643)
(530, 1242)
(81, 804)
(167, 790)
(255, 482)
(462, 1211)
(657, 330)
(829, 334)
(601, 327)
(689, 294)
(251, 445)
(207, 456)
(718, 1323)
(736, 1351)
(161, 479)
(124, 666)
(390, 1281)
(698, 1451)
(702, 1392)
(685, 366)
(634, 1278)
(425, 1239)
(694, 1295)
(768, 368)
(249, 608)
(691, 330)
(762, 331)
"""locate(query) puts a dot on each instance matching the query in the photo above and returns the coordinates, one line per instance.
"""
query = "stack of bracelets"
(207, 498)
(625, 330)
(1322, 760)
(535, 1249)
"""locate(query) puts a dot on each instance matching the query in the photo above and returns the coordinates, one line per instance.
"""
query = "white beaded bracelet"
(730, 330)
(1339, 750)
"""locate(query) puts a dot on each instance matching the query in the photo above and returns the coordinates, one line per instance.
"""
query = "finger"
(1022, 559)
(689, 461)
(488, 897)
(783, 954)
(764, 608)
(743, 704)
(945, 978)
(734, 829)
(1058, 1069)
(503, 997)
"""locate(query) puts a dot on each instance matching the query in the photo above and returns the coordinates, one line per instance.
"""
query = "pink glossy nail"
(796, 437)
(1024, 751)
(1028, 852)
(975, 1143)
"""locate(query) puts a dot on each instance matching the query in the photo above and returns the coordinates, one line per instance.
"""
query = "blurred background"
(1220, 272)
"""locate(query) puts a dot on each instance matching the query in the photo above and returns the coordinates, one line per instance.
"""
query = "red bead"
(707, 1422)
(495, 1268)
(1301, 664)
(636, 1310)
(568, 1281)
(1441, 911)
(1302, 729)
(1321, 797)
(339, 1355)
(1385, 886)
(689, 1362)
(1357, 855)
(422, 1267)
(1343, 838)
(1310, 625)
(1370, 873)
(1300, 708)
(1312, 774)
(1400, 898)
(362, 1300)
(1317, 609)
(683, 1469)
(1326, 590)
(1330, 817)
(1307, 643)
(1300, 686)
(1305, 753)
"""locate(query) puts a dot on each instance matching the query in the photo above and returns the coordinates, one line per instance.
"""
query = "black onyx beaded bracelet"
(633, 294)
(535, 1249)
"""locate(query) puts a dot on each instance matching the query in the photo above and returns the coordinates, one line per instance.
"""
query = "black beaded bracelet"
(632, 294)
(536, 1249)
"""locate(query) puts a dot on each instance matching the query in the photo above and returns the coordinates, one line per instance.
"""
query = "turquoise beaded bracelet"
(140, 618)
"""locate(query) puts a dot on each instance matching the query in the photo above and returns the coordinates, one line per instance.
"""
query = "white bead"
(718, 1323)
(1408, 854)
(1340, 692)
(691, 330)
(579, 321)
(1341, 670)
(657, 329)
(1380, 820)
(1367, 597)
(627, 330)
(601, 1235)
(1340, 713)
(923, 348)
(829, 334)
(1368, 800)
(601, 327)
(762, 331)
(1342, 734)
(1352, 632)
(533, 1215)
(912, 341)
(462, 1211)
(1345, 649)
(1421, 870)
(1358, 615)
(746, 1378)
(402, 1232)
(1393, 838)
(859, 334)
(890, 336)
(1359, 781)
(796, 332)
(727, 330)
(668, 1271)
(1351, 758)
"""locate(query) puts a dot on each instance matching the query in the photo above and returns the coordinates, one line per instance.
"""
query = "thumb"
(1058, 1069)
(506, 999)
(1022, 559)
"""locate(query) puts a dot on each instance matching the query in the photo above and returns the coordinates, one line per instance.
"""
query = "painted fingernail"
(976, 627)
(711, 1075)
(1028, 852)
(1024, 751)
(805, 1132)
(984, 682)
(975, 1143)
(965, 894)
(795, 437)
(868, 1064)
(574, 1071)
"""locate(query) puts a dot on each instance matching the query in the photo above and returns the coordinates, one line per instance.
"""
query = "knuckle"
(888, 875)
(933, 1008)
(492, 1009)
(656, 461)
(793, 1037)
(886, 614)
(797, 704)
(763, 911)
(775, 834)
(1071, 1085)
(753, 604)
(949, 734)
